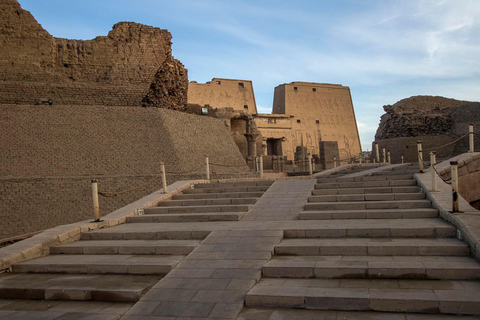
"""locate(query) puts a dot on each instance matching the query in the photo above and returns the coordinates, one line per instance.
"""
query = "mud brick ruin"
(435, 121)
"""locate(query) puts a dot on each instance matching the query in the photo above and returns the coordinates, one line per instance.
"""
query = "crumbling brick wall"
(436, 121)
(113, 70)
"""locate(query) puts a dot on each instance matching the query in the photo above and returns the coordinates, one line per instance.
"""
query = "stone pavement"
(229, 258)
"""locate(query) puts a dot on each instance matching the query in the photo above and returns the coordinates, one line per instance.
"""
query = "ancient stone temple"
(304, 114)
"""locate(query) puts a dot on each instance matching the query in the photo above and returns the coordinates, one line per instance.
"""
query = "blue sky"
(383, 50)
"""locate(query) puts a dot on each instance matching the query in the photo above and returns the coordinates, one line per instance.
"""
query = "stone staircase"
(120, 264)
(207, 202)
(383, 248)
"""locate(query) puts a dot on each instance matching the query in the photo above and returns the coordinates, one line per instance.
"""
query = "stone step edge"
(391, 300)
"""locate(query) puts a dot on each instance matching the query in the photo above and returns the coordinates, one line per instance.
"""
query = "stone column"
(252, 144)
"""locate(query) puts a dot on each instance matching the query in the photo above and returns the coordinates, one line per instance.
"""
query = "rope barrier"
(448, 144)
(438, 174)
(227, 166)
(107, 194)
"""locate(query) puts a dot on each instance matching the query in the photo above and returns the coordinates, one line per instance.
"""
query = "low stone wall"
(467, 220)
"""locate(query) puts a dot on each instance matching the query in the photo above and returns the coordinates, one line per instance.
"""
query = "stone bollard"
(377, 153)
(310, 169)
(334, 161)
(420, 156)
(388, 157)
(164, 177)
(470, 140)
(261, 166)
(454, 176)
(384, 155)
(96, 207)
(402, 159)
(433, 163)
(207, 167)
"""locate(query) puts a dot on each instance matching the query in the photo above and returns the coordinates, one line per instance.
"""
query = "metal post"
(207, 167)
(164, 177)
(470, 131)
(420, 156)
(433, 163)
(402, 159)
(96, 208)
(388, 157)
(261, 166)
(377, 152)
(384, 155)
(310, 169)
(334, 161)
(454, 175)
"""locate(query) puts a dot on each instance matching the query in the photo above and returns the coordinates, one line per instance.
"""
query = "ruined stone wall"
(321, 112)
(224, 93)
(436, 121)
(114, 70)
(50, 153)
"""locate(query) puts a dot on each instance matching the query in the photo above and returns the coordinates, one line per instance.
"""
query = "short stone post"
(402, 159)
(470, 131)
(334, 161)
(454, 176)
(310, 168)
(377, 152)
(313, 164)
(360, 158)
(96, 207)
(420, 156)
(164, 177)
(433, 163)
(388, 157)
(207, 167)
(384, 154)
(261, 166)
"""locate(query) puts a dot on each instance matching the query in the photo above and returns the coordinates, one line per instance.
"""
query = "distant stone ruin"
(435, 121)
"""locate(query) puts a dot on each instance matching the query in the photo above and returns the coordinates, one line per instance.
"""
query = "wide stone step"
(304, 314)
(217, 195)
(411, 189)
(381, 228)
(442, 297)
(235, 184)
(374, 247)
(366, 184)
(367, 197)
(187, 217)
(367, 178)
(143, 233)
(406, 267)
(226, 189)
(100, 264)
(361, 205)
(198, 209)
(369, 214)
(207, 202)
(165, 247)
(113, 288)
